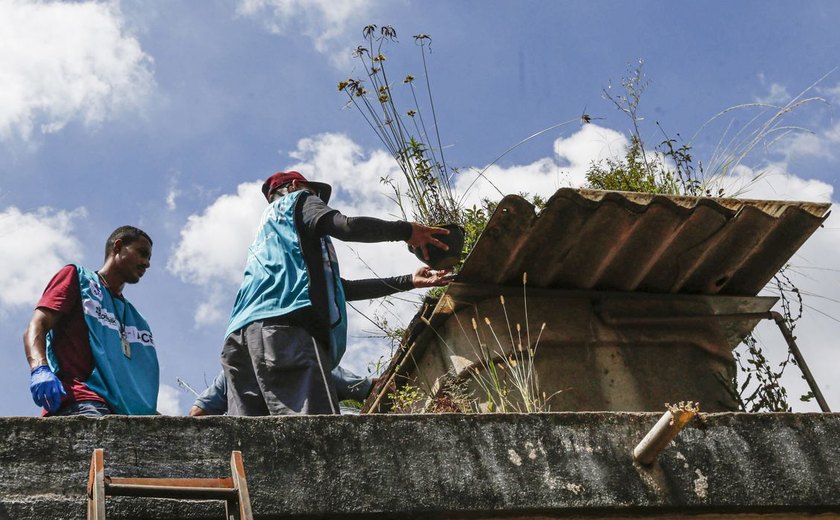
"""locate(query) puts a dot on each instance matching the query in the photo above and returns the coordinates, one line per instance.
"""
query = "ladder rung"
(232, 490)
(224, 482)
(194, 493)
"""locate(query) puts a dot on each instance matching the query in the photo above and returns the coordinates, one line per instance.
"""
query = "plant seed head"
(487, 321)
(524, 278)
(388, 32)
(474, 324)
(502, 299)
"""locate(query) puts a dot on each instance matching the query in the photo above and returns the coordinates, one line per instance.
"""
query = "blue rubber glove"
(46, 388)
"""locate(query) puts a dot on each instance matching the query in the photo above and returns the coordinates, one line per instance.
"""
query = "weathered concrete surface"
(441, 466)
(594, 355)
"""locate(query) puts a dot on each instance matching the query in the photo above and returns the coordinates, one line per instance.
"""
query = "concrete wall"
(434, 466)
(585, 362)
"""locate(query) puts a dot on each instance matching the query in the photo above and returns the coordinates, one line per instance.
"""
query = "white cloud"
(831, 93)
(590, 143)
(773, 182)
(573, 155)
(325, 22)
(213, 244)
(213, 249)
(353, 173)
(541, 177)
(212, 307)
(169, 402)
(65, 61)
(820, 144)
(777, 95)
(35, 245)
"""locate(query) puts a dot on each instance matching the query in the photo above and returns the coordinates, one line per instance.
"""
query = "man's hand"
(426, 277)
(46, 388)
(422, 236)
(197, 411)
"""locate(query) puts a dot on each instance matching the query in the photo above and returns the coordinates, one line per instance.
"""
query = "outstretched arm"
(363, 229)
(323, 220)
(378, 287)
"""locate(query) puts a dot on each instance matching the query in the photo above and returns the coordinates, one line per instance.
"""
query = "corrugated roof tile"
(616, 241)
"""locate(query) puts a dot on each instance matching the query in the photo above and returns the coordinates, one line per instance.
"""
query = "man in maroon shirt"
(128, 253)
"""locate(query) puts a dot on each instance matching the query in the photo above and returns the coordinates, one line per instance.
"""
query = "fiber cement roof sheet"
(617, 241)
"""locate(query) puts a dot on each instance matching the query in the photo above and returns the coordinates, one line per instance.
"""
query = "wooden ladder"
(233, 490)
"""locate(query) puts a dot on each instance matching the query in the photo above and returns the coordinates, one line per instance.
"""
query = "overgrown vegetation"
(761, 389)
(501, 379)
(669, 169)
(414, 142)
(506, 375)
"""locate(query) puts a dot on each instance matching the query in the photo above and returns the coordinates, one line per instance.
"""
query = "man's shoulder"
(67, 275)
(62, 290)
(68, 270)
(311, 210)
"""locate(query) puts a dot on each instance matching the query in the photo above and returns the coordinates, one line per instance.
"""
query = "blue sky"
(167, 114)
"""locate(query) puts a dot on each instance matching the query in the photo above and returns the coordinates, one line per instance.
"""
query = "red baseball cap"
(280, 178)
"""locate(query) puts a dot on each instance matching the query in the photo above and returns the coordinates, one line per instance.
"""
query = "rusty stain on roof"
(618, 241)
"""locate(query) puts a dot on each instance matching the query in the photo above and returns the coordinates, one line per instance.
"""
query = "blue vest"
(276, 281)
(128, 384)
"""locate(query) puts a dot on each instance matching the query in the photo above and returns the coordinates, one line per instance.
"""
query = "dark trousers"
(273, 367)
(87, 408)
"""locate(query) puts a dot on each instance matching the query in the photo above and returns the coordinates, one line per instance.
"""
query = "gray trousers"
(274, 368)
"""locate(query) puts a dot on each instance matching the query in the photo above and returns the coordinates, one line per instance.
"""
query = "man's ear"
(118, 245)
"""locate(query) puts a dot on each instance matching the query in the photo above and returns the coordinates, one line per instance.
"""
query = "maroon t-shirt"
(70, 340)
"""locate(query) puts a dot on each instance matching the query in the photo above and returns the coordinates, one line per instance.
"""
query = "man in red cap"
(288, 326)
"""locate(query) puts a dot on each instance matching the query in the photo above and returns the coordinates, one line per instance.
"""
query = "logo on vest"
(95, 289)
(100, 314)
(135, 335)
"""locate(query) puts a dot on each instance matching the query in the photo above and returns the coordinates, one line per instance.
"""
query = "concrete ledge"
(434, 466)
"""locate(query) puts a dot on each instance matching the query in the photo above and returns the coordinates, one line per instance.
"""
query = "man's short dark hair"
(127, 234)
